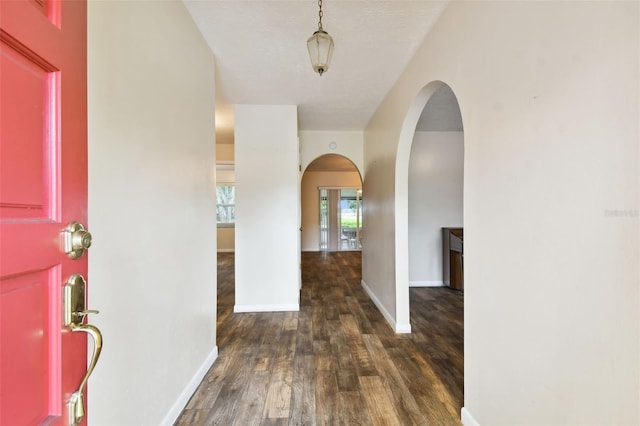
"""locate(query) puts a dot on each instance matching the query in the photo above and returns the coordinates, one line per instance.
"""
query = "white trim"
(225, 224)
(341, 187)
(177, 407)
(226, 250)
(399, 328)
(266, 308)
(225, 165)
(426, 284)
(467, 418)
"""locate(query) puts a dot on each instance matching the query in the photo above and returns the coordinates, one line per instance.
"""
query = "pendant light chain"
(320, 46)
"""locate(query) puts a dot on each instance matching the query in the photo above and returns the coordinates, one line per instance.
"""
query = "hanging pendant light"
(320, 46)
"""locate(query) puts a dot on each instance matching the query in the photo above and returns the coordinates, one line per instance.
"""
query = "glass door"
(324, 219)
(340, 219)
(349, 219)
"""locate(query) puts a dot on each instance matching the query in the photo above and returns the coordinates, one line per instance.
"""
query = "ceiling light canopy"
(320, 46)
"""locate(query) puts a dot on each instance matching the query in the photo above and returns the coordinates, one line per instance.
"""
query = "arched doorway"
(435, 194)
(331, 205)
(439, 114)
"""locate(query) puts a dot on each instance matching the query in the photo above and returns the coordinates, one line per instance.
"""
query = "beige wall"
(549, 95)
(310, 201)
(224, 153)
(152, 269)
(226, 239)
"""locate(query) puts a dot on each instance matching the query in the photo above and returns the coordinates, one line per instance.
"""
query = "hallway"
(336, 361)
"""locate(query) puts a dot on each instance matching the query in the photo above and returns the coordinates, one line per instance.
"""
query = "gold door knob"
(76, 402)
(75, 240)
(75, 311)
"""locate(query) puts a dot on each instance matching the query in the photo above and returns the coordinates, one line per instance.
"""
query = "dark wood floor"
(336, 361)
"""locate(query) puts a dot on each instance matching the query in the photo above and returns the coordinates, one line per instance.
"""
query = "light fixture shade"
(320, 46)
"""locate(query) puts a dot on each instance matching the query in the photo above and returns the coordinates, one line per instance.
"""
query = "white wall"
(311, 201)
(152, 269)
(267, 208)
(315, 143)
(549, 95)
(435, 201)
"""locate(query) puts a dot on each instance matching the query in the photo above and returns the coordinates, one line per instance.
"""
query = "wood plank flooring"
(337, 361)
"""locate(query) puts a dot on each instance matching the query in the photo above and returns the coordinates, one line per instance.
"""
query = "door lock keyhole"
(75, 240)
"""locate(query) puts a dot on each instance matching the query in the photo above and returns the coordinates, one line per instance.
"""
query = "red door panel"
(26, 353)
(43, 187)
(28, 134)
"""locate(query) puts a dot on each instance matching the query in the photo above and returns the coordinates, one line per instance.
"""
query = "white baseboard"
(467, 418)
(398, 328)
(426, 284)
(226, 250)
(403, 328)
(266, 308)
(177, 407)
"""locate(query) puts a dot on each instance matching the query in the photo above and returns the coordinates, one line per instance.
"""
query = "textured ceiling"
(261, 54)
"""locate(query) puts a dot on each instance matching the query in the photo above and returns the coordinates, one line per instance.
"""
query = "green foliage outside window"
(225, 204)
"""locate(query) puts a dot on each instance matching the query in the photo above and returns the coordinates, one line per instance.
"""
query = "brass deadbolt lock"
(75, 240)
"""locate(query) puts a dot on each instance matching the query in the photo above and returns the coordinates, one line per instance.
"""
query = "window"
(225, 204)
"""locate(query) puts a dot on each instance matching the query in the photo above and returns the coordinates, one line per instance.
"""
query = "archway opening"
(429, 229)
(405, 142)
(435, 192)
(331, 205)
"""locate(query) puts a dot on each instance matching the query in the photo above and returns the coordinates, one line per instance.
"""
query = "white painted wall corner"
(398, 328)
(185, 395)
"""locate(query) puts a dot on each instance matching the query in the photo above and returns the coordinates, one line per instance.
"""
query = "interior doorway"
(435, 192)
(425, 106)
(331, 205)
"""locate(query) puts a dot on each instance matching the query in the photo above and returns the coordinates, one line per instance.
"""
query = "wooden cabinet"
(452, 258)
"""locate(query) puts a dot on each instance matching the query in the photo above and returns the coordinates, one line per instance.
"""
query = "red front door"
(43, 187)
